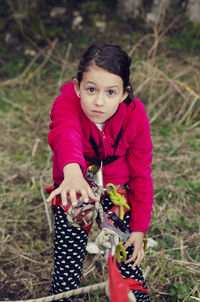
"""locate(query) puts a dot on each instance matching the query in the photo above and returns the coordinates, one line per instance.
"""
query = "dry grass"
(171, 92)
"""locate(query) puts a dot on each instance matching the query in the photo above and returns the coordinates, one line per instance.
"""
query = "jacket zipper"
(103, 135)
(106, 145)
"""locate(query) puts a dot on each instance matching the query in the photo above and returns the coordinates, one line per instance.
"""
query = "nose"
(99, 100)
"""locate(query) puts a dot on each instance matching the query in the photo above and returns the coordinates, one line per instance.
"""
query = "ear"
(124, 96)
(76, 87)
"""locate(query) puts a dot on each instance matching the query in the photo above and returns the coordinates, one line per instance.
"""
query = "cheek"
(84, 103)
(112, 107)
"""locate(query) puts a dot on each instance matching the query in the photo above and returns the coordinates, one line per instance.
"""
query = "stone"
(193, 11)
(57, 11)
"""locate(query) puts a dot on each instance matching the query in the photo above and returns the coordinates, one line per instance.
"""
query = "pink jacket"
(69, 140)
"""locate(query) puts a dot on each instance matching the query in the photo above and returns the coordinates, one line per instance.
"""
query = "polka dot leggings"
(69, 252)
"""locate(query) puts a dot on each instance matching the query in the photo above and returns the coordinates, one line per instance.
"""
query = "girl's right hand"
(73, 183)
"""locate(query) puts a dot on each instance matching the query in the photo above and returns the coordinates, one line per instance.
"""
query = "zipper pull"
(103, 135)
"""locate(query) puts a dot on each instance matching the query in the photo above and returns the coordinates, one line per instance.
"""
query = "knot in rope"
(103, 239)
(117, 199)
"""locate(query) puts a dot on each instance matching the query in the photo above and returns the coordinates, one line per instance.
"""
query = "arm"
(65, 136)
(140, 184)
(65, 139)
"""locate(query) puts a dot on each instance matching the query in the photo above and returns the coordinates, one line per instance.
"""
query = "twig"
(158, 113)
(11, 102)
(24, 77)
(138, 43)
(146, 272)
(142, 85)
(197, 299)
(42, 192)
(19, 78)
(89, 271)
(186, 115)
(27, 258)
(37, 141)
(158, 38)
(73, 292)
(190, 293)
(196, 124)
(31, 75)
(64, 65)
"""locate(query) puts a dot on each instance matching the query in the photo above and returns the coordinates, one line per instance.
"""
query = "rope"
(120, 248)
(118, 199)
(88, 213)
(103, 239)
(73, 292)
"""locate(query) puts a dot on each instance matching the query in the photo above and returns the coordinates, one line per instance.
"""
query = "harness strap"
(117, 139)
(108, 160)
(104, 162)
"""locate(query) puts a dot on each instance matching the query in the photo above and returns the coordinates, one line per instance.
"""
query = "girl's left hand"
(136, 239)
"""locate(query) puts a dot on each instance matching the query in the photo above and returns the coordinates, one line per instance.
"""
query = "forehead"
(101, 77)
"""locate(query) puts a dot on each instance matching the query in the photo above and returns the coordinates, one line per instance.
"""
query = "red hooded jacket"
(69, 139)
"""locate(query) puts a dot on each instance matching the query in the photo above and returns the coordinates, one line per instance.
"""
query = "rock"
(193, 11)
(158, 11)
(129, 8)
(92, 248)
(57, 11)
(101, 25)
(21, 16)
(11, 40)
(29, 52)
(77, 21)
(151, 243)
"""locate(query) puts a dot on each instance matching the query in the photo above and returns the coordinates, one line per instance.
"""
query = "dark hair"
(111, 58)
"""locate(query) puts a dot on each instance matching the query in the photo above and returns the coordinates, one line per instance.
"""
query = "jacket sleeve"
(140, 184)
(65, 136)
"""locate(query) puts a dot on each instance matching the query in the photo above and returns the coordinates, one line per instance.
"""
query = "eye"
(91, 89)
(111, 92)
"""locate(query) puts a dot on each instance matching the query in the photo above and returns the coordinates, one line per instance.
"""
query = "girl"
(97, 119)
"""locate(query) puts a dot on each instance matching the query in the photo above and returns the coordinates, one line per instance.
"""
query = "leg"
(69, 252)
(125, 269)
(136, 273)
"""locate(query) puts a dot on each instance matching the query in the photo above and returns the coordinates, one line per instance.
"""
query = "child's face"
(100, 92)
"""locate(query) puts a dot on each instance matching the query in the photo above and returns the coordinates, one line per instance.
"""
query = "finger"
(138, 260)
(129, 260)
(52, 195)
(84, 195)
(127, 244)
(135, 253)
(73, 198)
(64, 198)
(91, 194)
(136, 263)
(133, 257)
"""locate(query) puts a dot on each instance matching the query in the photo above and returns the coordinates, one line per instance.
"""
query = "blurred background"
(40, 47)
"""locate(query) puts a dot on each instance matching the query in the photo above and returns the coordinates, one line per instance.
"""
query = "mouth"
(97, 112)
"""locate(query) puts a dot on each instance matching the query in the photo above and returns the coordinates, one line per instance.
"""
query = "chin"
(97, 121)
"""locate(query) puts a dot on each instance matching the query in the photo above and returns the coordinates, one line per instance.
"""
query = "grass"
(169, 87)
